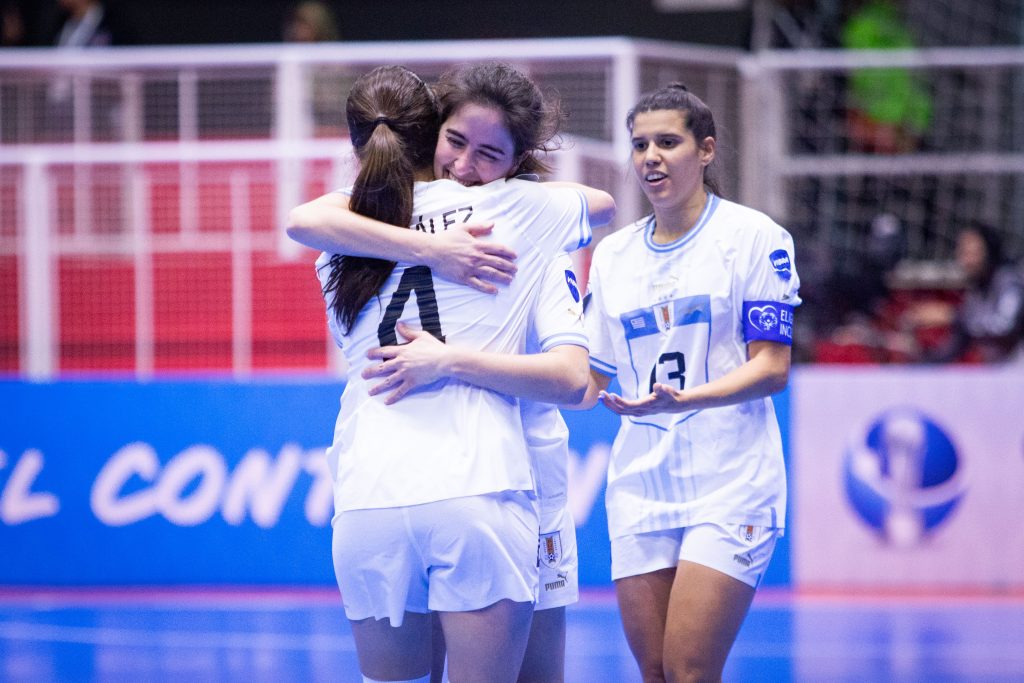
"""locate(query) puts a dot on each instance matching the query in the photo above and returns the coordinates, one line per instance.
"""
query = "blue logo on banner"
(574, 288)
(781, 263)
(904, 478)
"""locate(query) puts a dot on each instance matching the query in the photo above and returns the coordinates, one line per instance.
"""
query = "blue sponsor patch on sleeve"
(574, 288)
(767, 321)
(781, 263)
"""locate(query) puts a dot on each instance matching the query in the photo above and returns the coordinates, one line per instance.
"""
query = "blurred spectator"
(82, 24)
(310, 22)
(313, 21)
(890, 109)
(988, 326)
(12, 24)
(87, 23)
(861, 321)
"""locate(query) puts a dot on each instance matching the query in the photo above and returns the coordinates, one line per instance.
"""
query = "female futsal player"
(495, 120)
(692, 311)
(443, 476)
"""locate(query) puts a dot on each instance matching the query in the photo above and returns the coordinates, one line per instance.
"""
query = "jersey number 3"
(679, 373)
(416, 279)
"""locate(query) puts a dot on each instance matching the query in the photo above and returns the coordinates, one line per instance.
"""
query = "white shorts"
(452, 555)
(557, 559)
(738, 550)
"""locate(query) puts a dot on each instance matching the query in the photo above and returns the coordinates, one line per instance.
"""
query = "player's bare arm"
(600, 204)
(327, 224)
(555, 376)
(766, 372)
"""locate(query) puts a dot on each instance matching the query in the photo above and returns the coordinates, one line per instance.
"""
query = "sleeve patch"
(574, 287)
(767, 321)
(781, 263)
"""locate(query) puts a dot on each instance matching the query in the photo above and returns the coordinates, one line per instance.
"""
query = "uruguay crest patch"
(551, 548)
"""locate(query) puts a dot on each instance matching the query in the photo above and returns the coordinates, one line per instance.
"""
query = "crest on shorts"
(551, 548)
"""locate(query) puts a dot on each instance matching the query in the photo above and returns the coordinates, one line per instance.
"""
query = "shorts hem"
(562, 601)
(371, 615)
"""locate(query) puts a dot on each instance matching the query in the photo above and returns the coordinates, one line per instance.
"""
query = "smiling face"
(474, 147)
(667, 159)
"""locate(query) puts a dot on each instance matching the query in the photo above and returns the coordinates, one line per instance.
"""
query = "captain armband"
(767, 321)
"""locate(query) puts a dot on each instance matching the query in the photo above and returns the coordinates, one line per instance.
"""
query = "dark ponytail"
(393, 121)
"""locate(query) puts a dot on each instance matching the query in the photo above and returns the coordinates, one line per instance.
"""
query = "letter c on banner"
(204, 463)
(109, 506)
(165, 496)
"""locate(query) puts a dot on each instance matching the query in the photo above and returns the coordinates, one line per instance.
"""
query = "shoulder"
(439, 195)
(533, 191)
(422, 188)
(625, 236)
(501, 190)
(739, 225)
(615, 245)
(744, 219)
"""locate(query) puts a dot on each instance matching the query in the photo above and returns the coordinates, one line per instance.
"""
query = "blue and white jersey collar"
(705, 216)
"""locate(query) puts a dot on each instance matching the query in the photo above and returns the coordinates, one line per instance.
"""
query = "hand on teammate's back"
(408, 365)
(462, 256)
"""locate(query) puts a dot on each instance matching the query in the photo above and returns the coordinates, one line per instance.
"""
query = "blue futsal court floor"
(303, 636)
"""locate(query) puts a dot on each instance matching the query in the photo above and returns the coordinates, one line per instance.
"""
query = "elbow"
(294, 227)
(297, 228)
(577, 383)
(586, 400)
(575, 394)
(777, 381)
(605, 211)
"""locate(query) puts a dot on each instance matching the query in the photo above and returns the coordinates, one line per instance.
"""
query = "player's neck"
(671, 223)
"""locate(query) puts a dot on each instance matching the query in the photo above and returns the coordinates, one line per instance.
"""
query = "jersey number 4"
(416, 279)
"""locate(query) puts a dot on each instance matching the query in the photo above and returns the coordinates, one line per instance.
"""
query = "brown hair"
(698, 117)
(393, 121)
(531, 118)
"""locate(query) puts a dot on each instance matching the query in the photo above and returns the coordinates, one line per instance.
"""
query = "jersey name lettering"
(443, 220)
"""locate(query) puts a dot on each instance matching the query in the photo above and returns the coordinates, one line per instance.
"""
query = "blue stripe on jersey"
(705, 216)
(602, 367)
(686, 311)
(573, 338)
(586, 233)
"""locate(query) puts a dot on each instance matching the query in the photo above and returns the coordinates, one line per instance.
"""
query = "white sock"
(422, 679)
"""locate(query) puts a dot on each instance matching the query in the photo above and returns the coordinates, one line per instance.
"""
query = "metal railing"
(90, 141)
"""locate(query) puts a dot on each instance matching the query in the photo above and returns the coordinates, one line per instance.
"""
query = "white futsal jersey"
(682, 314)
(448, 439)
(557, 320)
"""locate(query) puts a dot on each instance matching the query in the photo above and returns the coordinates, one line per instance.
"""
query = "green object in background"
(887, 95)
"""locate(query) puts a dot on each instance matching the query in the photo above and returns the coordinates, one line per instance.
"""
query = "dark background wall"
(162, 22)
